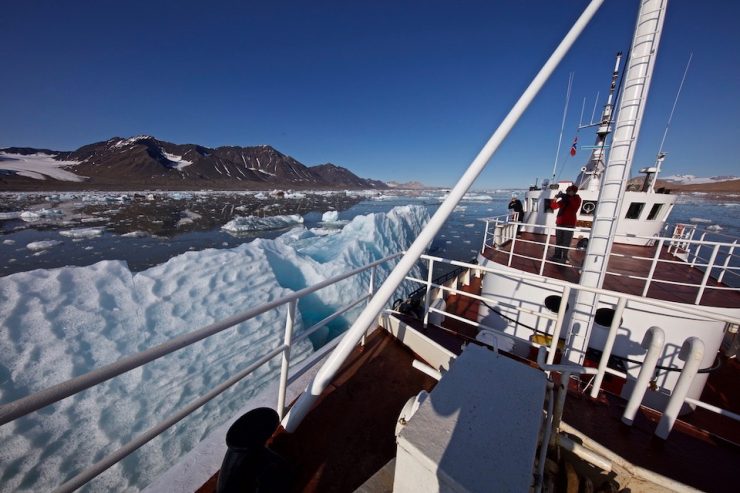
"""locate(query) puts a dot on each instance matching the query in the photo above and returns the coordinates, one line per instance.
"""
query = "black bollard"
(248, 465)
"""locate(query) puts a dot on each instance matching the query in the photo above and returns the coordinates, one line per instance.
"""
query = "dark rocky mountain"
(143, 162)
(342, 177)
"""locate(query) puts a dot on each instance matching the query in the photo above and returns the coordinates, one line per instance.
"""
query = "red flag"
(574, 146)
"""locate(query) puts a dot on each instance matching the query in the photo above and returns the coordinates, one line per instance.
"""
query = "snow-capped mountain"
(696, 180)
(146, 162)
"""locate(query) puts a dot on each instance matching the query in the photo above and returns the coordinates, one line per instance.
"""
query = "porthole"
(553, 303)
(588, 207)
(604, 316)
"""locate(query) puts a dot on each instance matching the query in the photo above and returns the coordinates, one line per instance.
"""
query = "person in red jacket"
(568, 203)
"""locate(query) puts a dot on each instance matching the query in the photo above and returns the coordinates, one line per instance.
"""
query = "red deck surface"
(529, 250)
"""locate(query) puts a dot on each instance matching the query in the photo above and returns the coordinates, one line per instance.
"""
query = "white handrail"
(655, 259)
(373, 309)
(692, 310)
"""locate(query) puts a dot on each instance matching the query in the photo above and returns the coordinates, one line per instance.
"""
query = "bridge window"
(654, 212)
(634, 210)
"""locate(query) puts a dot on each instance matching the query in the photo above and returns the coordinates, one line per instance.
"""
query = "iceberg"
(330, 217)
(60, 323)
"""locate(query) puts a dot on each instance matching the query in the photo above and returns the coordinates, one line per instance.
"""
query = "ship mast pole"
(370, 313)
(636, 85)
(591, 173)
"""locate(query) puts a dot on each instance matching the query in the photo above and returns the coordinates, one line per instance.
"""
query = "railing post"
(547, 245)
(656, 258)
(427, 301)
(511, 250)
(558, 328)
(485, 238)
(608, 345)
(710, 266)
(289, 321)
(370, 291)
(727, 261)
(698, 247)
(653, 341)
(560, 403)
(692, 352)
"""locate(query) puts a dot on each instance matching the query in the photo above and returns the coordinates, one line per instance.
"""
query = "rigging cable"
(675, 102)
(562, 125)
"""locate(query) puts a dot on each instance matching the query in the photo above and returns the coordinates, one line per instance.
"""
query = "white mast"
(636, 85)
(590, 175)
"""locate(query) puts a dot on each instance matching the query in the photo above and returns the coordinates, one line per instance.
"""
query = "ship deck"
(625, 264)
(349, 434)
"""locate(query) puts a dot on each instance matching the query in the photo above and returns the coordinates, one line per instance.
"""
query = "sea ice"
(82, 232)
(43, 245)
(330, 217)
(242, 224)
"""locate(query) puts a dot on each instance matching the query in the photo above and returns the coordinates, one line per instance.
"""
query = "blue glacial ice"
(60, 323)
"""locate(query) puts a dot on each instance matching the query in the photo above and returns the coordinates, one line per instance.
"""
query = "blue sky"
(393, 90)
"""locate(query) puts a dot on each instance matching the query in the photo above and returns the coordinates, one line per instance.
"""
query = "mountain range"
(144, 162)
(691, 183)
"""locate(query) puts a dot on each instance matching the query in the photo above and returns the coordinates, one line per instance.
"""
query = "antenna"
(665, 133)
(652, 173)
(562, 125)
(596, 102)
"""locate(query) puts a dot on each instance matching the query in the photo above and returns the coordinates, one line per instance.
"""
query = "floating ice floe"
(714, 227)
(82, 232)
(8, 242)
(700, 220)
(242, 224)
(136, 234)
(43, 245)
(330, 217)
(10, 215)
(33, 216)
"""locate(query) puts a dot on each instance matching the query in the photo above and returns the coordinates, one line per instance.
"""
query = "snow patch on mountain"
(38, 166)
(695, 180)
(132, 140)
(178, 162)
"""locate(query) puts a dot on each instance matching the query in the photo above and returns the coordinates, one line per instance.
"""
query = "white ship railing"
(26, 405)
(622, 301)
(719, 267)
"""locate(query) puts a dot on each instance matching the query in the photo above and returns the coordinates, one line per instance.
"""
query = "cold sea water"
(120, 230)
